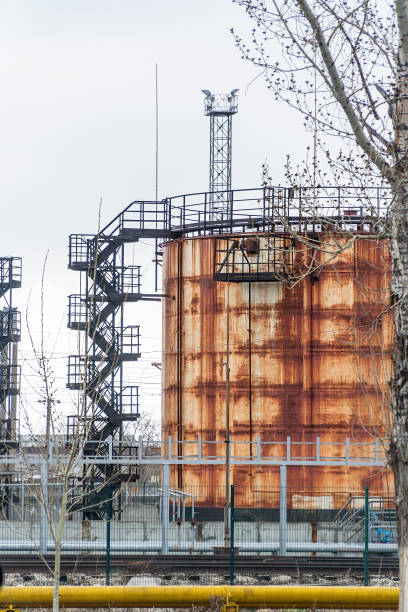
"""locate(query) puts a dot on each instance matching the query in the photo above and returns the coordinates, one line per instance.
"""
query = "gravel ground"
(206, 578)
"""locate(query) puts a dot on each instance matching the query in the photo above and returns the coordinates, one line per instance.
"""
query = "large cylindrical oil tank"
(309, 357)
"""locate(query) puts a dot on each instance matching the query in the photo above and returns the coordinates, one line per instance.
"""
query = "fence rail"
(212, 452)
(160, 519)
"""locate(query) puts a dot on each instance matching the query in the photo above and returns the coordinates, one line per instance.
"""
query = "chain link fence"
(146, 519)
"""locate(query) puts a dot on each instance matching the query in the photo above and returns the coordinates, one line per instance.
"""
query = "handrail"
(190, 213)
(216, 456)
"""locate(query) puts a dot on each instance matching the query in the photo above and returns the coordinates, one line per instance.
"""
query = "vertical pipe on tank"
(311, 351)
(250, 365)
(179, 361)
(306, 363)
(308, 348)
(227, 430)
(310, 411)
(282, 510)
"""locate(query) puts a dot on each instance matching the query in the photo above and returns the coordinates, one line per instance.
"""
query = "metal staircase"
(99, 311)
(10, 375)
(349, 523)
(10, 331)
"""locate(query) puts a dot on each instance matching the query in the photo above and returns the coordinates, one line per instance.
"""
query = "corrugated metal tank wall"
(304, 361)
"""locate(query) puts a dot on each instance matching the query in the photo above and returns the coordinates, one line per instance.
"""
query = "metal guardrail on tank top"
(254, 210)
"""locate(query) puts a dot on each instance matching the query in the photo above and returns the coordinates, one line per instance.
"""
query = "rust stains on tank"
(304, 361)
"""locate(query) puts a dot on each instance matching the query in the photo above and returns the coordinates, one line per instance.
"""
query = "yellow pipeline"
(385, 598)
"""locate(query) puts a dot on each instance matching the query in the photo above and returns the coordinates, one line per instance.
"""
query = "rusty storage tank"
(308, 354)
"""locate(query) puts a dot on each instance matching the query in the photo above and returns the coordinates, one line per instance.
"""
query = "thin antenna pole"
(315, 124)
(156, 177)
(157, 142)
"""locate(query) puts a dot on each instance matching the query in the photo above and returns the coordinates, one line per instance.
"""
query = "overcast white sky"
(77, 125)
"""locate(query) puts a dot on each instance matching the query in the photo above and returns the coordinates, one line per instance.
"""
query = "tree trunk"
(58, 545)
(398, 217)
(399, 380)
(401, 499)
(399, 446)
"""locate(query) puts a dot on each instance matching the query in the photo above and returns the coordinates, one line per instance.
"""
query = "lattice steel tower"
(220, 108)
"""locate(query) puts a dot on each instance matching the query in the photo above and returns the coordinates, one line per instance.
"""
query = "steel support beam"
(282, 510)
(165, 508)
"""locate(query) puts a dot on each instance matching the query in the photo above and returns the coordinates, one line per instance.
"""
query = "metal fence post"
(22, 498)
(165, 508)
(232, 525)
(282, 511)
(108, 531)
(43, 508)
(366, 533)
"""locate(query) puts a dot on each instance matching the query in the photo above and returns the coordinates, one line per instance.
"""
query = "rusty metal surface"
(307, 361)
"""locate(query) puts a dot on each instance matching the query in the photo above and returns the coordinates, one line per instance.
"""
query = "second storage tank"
(308, 356)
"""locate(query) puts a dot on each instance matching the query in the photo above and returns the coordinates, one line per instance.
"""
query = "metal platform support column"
(165, 509)
(283, 511)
